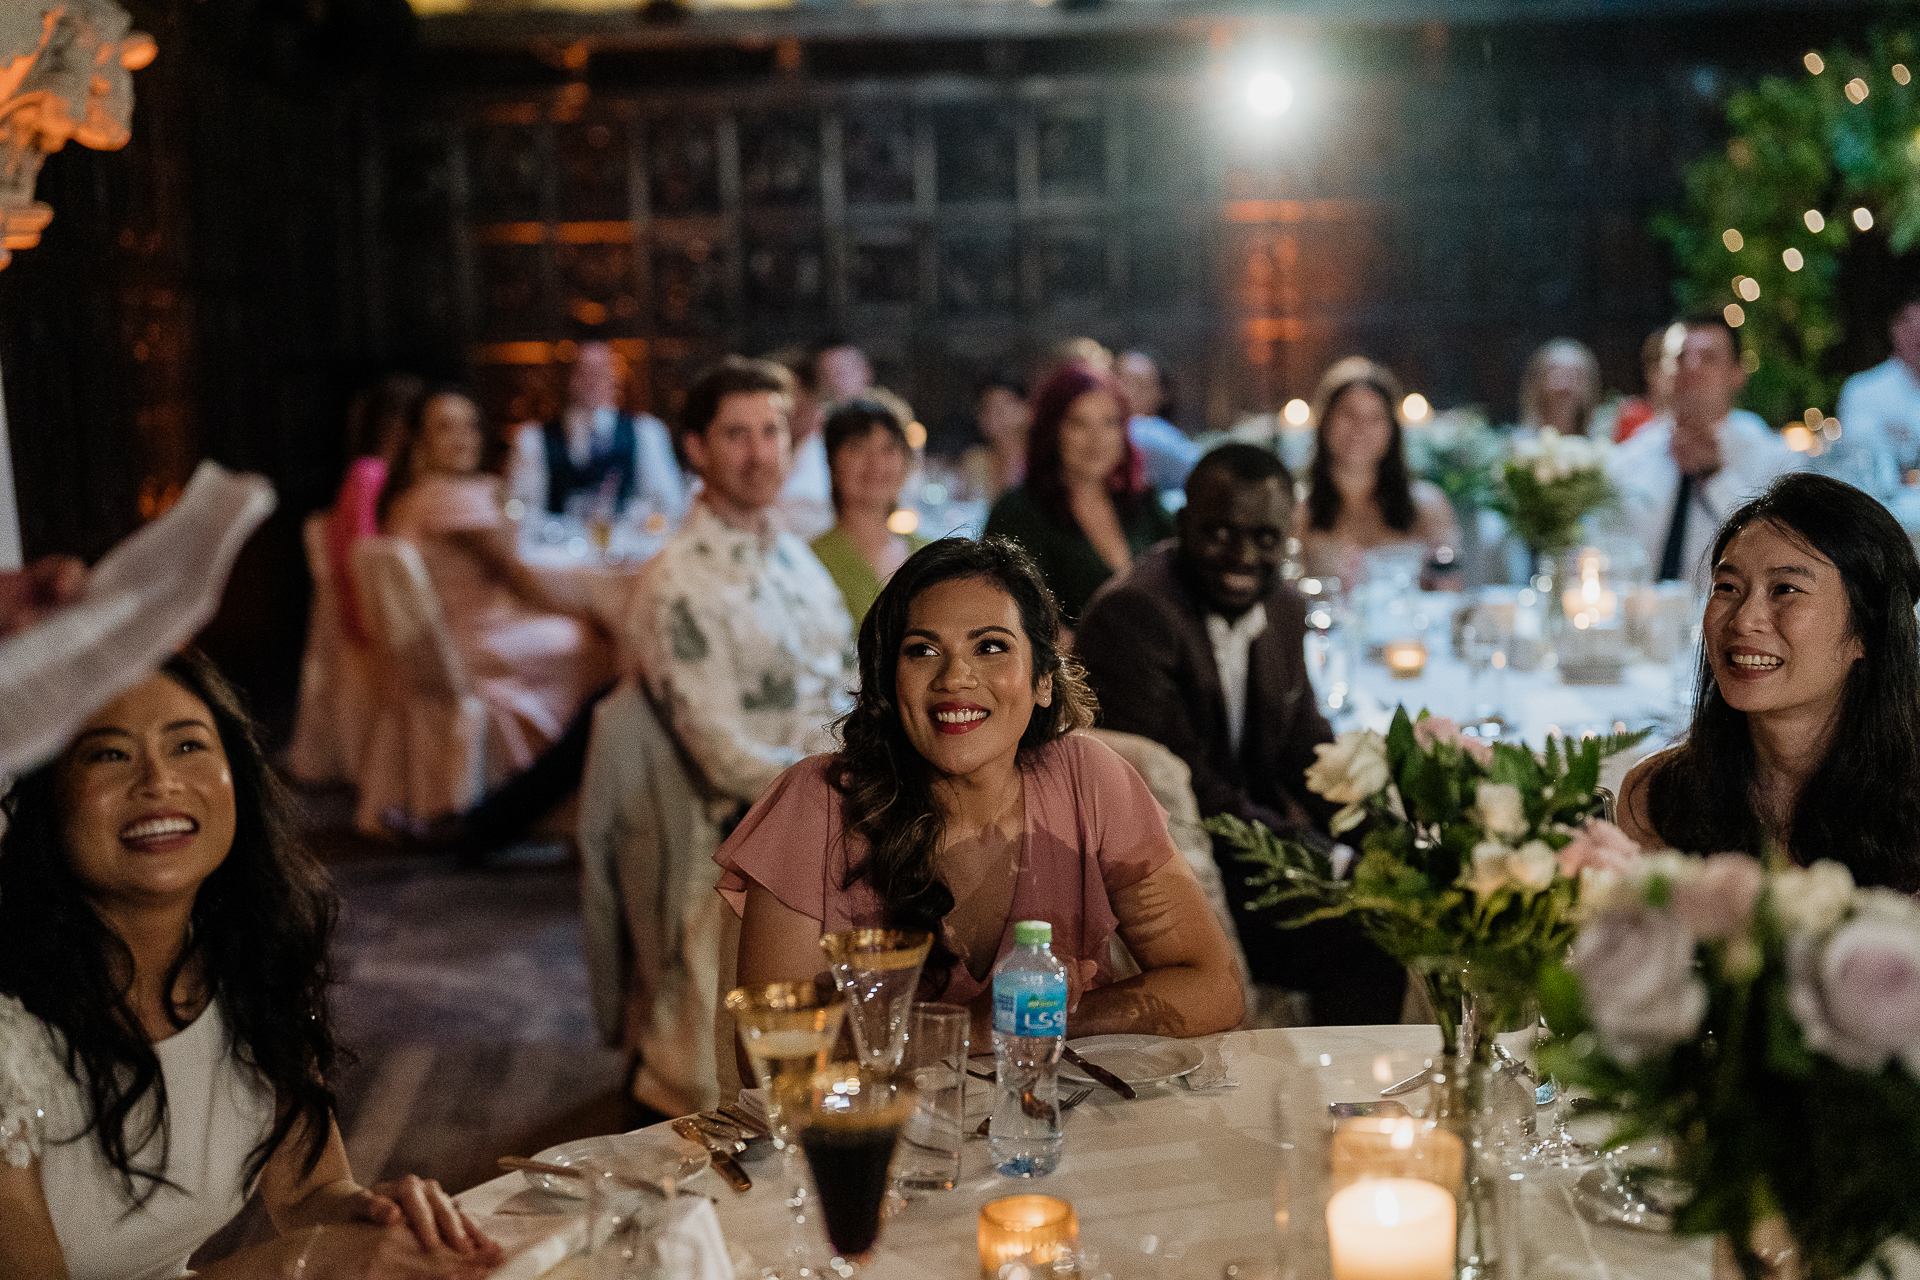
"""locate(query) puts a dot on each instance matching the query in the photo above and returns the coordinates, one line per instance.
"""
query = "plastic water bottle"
(1029, 1030)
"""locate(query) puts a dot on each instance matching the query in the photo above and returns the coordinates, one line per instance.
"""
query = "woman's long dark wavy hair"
(1392, 482)
(1046, 468)
(1862, 806)
(260, 929)
(403, 472)
(885, 784)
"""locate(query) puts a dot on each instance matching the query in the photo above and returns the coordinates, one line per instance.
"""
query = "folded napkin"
(1215, 1072)
(691, 1246)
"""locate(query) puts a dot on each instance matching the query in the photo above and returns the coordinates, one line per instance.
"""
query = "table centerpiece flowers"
(1548, 484)
(1468, 857)
(1766, 1020)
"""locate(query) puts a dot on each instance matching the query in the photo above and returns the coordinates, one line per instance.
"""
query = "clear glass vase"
(1488, 1109)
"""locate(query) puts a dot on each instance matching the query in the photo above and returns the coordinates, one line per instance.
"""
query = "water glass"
(936, 1061)
(624, 1215)
(877, 970)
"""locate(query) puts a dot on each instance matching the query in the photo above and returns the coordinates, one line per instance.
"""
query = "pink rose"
(1600, 845)
(1858, 998)
(1717, 903)
(1434, 730)
(1636, 974)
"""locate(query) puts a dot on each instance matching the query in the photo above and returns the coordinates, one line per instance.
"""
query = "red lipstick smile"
(958, 717)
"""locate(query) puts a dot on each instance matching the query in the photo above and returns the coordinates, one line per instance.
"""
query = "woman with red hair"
(1085, 510)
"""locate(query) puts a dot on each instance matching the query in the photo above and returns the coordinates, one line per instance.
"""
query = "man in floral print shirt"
(740, 633)
(741, 645)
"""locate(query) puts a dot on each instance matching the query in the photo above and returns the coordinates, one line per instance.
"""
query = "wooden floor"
(464, 995)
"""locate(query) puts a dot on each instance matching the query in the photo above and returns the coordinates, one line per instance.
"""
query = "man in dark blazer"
(1199, 647)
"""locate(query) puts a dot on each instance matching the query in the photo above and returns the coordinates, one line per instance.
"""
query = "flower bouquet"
(1460, 455)
(1767, 1021)
(1549, 484)
(1467, 858)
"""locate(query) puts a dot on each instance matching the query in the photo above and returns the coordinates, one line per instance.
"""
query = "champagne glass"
(853, 1122)
(788, 1029)
(878, 970)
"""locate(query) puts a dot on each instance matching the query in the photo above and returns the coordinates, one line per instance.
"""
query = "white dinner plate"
(1139, 1060)
(656, 1155)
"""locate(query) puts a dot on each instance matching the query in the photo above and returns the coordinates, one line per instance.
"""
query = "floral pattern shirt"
(746, 643)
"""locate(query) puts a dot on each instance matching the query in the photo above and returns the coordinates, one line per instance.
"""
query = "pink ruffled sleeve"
(785, 842)
(1128, 826)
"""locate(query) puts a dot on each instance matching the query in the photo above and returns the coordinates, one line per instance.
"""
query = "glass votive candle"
(1025, 1229)
(1395, 1147)
(1406, 659)
(1391, 1229)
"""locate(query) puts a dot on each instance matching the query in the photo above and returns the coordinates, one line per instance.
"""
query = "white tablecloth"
(1173, 1185)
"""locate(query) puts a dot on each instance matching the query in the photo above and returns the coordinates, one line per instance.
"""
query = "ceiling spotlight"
(1269, 94)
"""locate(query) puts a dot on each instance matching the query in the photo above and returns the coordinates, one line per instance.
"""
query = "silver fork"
(1074, 1099)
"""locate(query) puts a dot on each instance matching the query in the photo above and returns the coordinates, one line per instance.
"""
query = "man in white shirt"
(1684, 472)
(594, 445)
(1879, 412)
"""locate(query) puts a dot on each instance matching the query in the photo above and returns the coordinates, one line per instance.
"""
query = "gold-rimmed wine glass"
(788, 1030)
(878, 970)
(853, 1123)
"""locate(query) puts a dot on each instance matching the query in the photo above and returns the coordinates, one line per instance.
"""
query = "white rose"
(1499, 809)
(1812, 899)
(1350, 768)
(1488, 873)
(1636, 973)
(1858, 997)
(1532, 865)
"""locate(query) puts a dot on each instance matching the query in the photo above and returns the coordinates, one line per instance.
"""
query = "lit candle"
(1396, 1147)
(1588, 603)
(1025, 1229)
(1405, 658)
(1391, 1229)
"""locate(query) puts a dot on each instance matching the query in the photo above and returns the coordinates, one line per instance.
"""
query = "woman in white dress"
(164, 1040)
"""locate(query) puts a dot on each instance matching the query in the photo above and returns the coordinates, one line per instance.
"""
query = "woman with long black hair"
(1806, 726)
(164, 1034)
(1361, 496)
(964, 799)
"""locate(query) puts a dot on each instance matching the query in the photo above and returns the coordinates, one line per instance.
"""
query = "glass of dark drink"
(853, 1122)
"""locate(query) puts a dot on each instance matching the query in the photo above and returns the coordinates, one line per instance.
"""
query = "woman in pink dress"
(963, 800)
(533, 663)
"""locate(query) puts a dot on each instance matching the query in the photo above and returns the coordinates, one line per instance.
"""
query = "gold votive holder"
(1405, 659)
(1395, 1147)
(1026, 1229)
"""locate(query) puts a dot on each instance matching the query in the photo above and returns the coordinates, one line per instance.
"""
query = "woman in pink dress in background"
(533, 662)
(964, 800)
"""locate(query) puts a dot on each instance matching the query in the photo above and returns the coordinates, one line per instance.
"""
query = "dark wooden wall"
(310, 200)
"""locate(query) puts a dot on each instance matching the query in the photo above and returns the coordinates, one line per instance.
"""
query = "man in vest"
(596, 448)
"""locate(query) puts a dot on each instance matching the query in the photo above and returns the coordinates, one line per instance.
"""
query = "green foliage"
(1547, 516)
(1801, 143)
(1459, 455)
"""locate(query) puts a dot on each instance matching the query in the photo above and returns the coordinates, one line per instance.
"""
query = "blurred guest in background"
(1002, 417)
(165, 1045)
(376, 430)
(1087, 351)
(596, 447)
(1085, 510)
(1169, 455)
(1199, 647)
(742, 636)
(534, 663)
(867, 449)
(1684, 472)
(1806, 723)
(1659, 356)
(1880, 412)
(1560, 388)
(806, 497)
(1361, 496)
(965, 799)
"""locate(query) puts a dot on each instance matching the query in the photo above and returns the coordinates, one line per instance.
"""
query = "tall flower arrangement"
(1548, 485)
(1768, 1022)
(1468, 852)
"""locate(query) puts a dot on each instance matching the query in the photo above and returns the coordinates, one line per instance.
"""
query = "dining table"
(1177, 1184)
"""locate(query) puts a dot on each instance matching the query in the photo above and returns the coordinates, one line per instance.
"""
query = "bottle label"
(1029, 1004)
